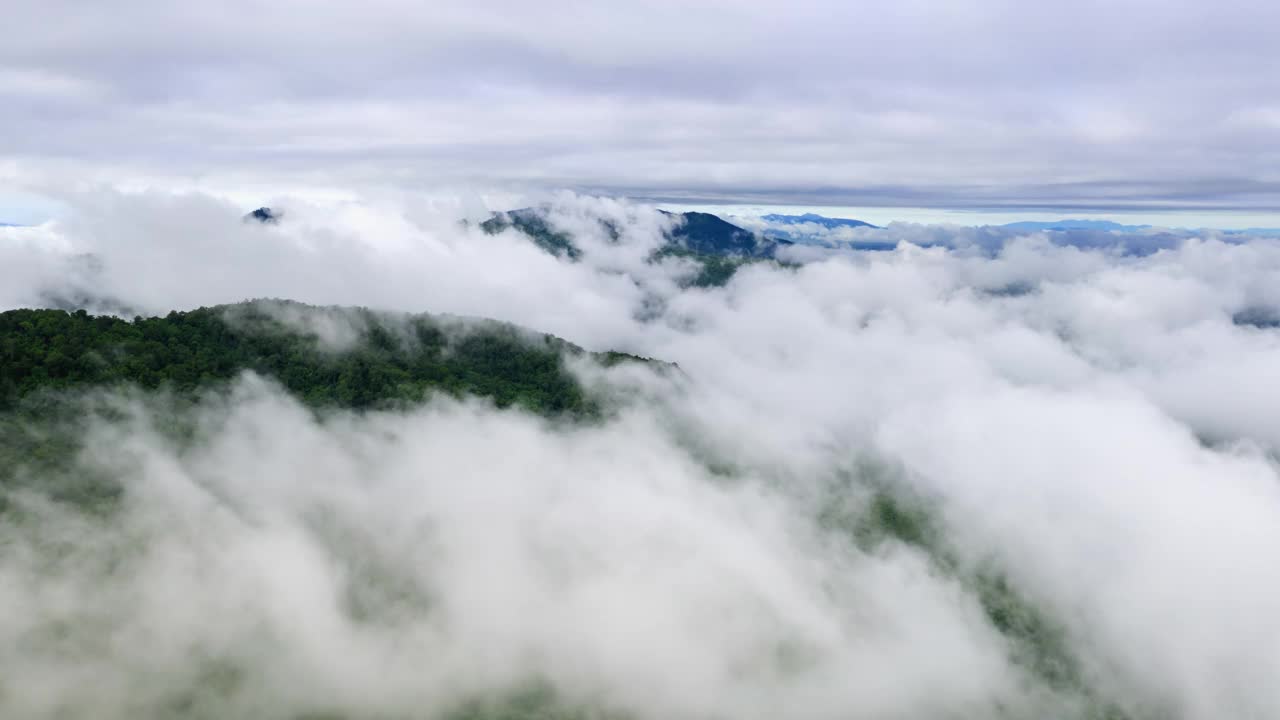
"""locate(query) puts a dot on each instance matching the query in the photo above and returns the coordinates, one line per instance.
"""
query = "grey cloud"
(982, 103)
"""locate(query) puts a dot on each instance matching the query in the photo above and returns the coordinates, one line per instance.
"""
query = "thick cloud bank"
(1095, 429)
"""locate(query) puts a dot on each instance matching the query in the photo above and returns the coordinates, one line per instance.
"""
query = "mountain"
(327, 358)
(820, 220)
(264, 215)
(334, 356)
(696, 232)
(1058, 225)
(533, 222)
(811, 228)
(1263, 318)
(1256, 232)
(712, 235)
(718, 247)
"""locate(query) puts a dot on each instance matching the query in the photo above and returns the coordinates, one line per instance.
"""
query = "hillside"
(718, 247)
(711, 235)
(533, 223)
(354, 358)
(327, 358)
(381, 357)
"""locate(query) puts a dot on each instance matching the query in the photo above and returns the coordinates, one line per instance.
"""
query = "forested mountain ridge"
(53, 362)
(717, 246)
(695, 232)
(385, 357)
(355, 358)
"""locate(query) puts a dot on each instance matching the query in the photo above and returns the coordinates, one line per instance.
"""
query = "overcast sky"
(998, 105)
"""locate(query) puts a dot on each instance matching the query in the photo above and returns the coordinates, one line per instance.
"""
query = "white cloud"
(1090, 422)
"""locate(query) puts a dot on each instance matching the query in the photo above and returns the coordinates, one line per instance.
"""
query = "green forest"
(52, 361)
(395, 358)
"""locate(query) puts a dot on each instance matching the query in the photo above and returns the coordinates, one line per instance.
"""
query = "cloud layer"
(986, 103)
(1092, 424)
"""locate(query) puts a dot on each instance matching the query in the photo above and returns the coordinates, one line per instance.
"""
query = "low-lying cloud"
(1092, 425)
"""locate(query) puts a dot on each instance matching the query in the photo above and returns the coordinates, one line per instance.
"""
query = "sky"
(1007, 108)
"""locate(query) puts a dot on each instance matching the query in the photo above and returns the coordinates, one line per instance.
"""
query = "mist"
(1094, 426)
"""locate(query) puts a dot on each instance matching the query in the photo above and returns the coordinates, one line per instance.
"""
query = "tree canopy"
(388, 357)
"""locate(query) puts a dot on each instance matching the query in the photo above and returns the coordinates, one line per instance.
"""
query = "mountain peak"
(264, 215)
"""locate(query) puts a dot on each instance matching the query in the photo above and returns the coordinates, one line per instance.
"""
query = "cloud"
(406, 567)
(987, 103)
(1087, 423)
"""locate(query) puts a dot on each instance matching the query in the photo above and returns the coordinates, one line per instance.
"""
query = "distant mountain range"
(813, 229)
(1109, 226)
(1063, 225)
(704, 232)
(720, 246)
(820, 220)
(1060, 225)
(1258, 232)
